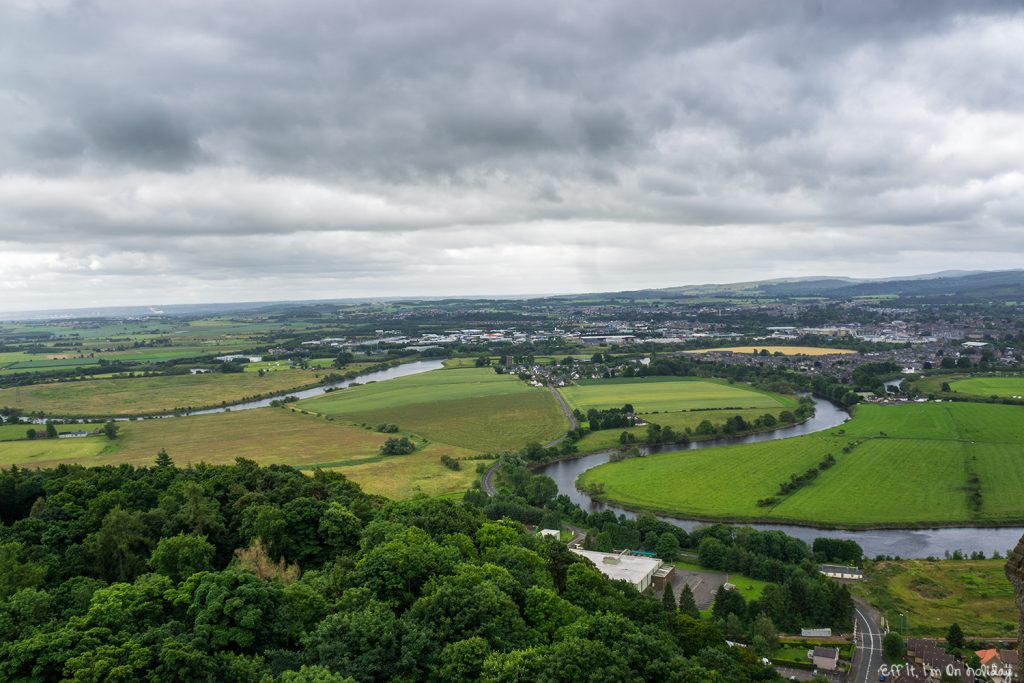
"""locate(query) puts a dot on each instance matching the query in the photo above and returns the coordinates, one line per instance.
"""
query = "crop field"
(913, 465)
(50, 452)
(669, 394)
(785, 350)
(111, 397)
(990, 386)
(265, 435)
(933, 595)
(17, 432)
(407, 475)
(473, 408)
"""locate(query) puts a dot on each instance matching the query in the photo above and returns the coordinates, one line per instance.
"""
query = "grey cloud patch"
(148, 136)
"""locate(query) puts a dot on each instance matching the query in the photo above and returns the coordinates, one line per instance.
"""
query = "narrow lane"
(868, 658)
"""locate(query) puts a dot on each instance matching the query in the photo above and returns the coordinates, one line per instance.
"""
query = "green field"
(142, 395)
(1004, 387)
(669, 394)
(49, 452)
(472, 408)
(913, 466)
(670, 402)
(266, 435)
(17, 432)
(933, 595)
(678, 421)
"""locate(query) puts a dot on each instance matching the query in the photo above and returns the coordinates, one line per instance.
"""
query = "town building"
(637, 570)
(928, 660)
(1000, 666)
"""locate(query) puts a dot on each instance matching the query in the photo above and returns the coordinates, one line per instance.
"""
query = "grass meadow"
(265, 435)
(1005, 387)
(474, 408)
(142, 395)
(669, 394)
(913, 465)
(679, 421)
(934, 594)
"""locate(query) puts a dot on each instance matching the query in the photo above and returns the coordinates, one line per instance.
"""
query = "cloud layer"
(225, 150)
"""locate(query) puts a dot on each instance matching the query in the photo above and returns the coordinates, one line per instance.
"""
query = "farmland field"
(932, 595)
(678, 421)
(785, 350)
(989, 386)
(472, 408)
(664, 394)
(17, 432)
(49, 452)
(140, 395)
(909, 465)
(267, 436)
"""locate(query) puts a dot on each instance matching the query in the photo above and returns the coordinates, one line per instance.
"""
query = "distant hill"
(967, 286)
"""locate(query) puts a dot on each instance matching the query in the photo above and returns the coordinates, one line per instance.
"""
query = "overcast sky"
(178, 152)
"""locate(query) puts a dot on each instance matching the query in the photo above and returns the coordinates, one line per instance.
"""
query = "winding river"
(907, 543)
(403, 370)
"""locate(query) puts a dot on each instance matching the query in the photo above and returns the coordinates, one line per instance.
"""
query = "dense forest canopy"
(248, 573)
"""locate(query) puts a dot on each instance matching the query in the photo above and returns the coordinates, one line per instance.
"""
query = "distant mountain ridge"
(973, 286)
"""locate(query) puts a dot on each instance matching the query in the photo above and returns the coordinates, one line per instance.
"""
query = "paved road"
(487, 483)
(868, 657)
(567, 411)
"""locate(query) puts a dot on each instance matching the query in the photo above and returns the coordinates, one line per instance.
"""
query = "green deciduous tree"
(119, 548)
(363, 642)
(668, 547)
(234, 609)
(181, 556)
(893, 646)
(16, 570)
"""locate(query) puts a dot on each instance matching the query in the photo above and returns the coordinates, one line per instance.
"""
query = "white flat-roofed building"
(835, 571)
(635, 569)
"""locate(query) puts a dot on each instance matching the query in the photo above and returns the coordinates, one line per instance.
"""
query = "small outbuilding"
(825, 658)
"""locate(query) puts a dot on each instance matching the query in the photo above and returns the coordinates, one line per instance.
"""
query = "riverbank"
(908, 541)
(378, 372)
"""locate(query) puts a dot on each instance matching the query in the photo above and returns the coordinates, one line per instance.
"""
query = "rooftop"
(632, 568)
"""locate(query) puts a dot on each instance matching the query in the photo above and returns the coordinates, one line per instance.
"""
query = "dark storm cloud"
(328, 148)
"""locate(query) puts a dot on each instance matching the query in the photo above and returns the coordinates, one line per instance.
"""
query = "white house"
(835, 571)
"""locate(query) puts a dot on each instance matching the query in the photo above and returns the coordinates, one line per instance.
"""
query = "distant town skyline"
(195, 152)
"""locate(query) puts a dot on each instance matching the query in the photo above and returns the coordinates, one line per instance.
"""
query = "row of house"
(928, 662)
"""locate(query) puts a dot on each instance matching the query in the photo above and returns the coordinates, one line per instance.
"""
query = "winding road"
(487, 483)
(868, 658)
